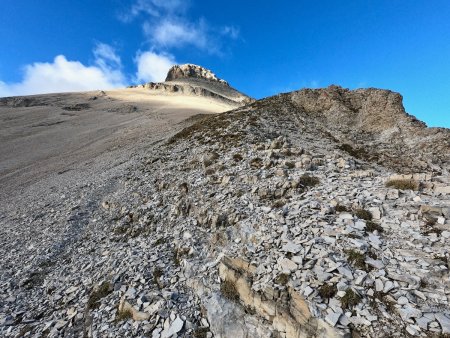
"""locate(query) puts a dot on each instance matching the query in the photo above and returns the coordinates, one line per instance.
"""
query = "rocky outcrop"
(370, 124)
(194, 80)
(190, 71)
(286, 310)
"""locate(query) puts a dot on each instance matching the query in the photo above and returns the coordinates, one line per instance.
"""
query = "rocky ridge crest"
(191, 79)
(190, 71)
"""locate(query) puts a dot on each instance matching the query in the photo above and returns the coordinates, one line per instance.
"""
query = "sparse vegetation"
(309, 181)
(209, 171)
(229, 290)
(403, 184)
(341, 208)
(120, 230)
(363, 214)
(430, 228)
(357, 259)
(178, 254)
(327, 291)
(237, 157)
(200, 332)
(359, 153)
(157, 273)
(289, 165)
(372, 226)
(160, 241)
(256, 163)
(282, 279)
(350, 299)
(101, 292)
(430, 220)
(443, 260)
(278, 204)
(123, 315)
(384, 299)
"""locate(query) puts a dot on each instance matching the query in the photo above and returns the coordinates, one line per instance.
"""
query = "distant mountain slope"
(42, 135)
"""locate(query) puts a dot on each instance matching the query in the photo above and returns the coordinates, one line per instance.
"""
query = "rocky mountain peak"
(189, 71)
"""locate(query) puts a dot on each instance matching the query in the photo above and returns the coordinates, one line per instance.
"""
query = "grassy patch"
(200, 332)
(309, 181)
(229, 290)
(289, 165)
(350, 299)
(363, 214)
(341, 208)
(123, 315)
(101, 292)
(357, 259)
(403, 184)
(282, 279)
(372, 226)
(327, 291)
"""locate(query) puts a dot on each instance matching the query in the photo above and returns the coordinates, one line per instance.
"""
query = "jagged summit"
(190, 71)
(193, 80)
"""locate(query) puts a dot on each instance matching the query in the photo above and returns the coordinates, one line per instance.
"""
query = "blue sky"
(260, 47)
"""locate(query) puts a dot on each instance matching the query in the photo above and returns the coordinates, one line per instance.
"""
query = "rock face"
(285, 218)
(370, 124)
(190, 71)
(195, 80)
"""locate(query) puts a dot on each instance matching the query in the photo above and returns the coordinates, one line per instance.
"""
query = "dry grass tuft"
(403, 184)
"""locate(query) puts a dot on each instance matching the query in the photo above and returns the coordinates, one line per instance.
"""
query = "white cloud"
(63, 75)
(175, 33)
(105, 55)
(153, 67)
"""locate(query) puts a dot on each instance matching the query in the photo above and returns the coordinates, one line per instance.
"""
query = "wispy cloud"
(166, 25)
(170, 33)
(63, 75)
(155, 8)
